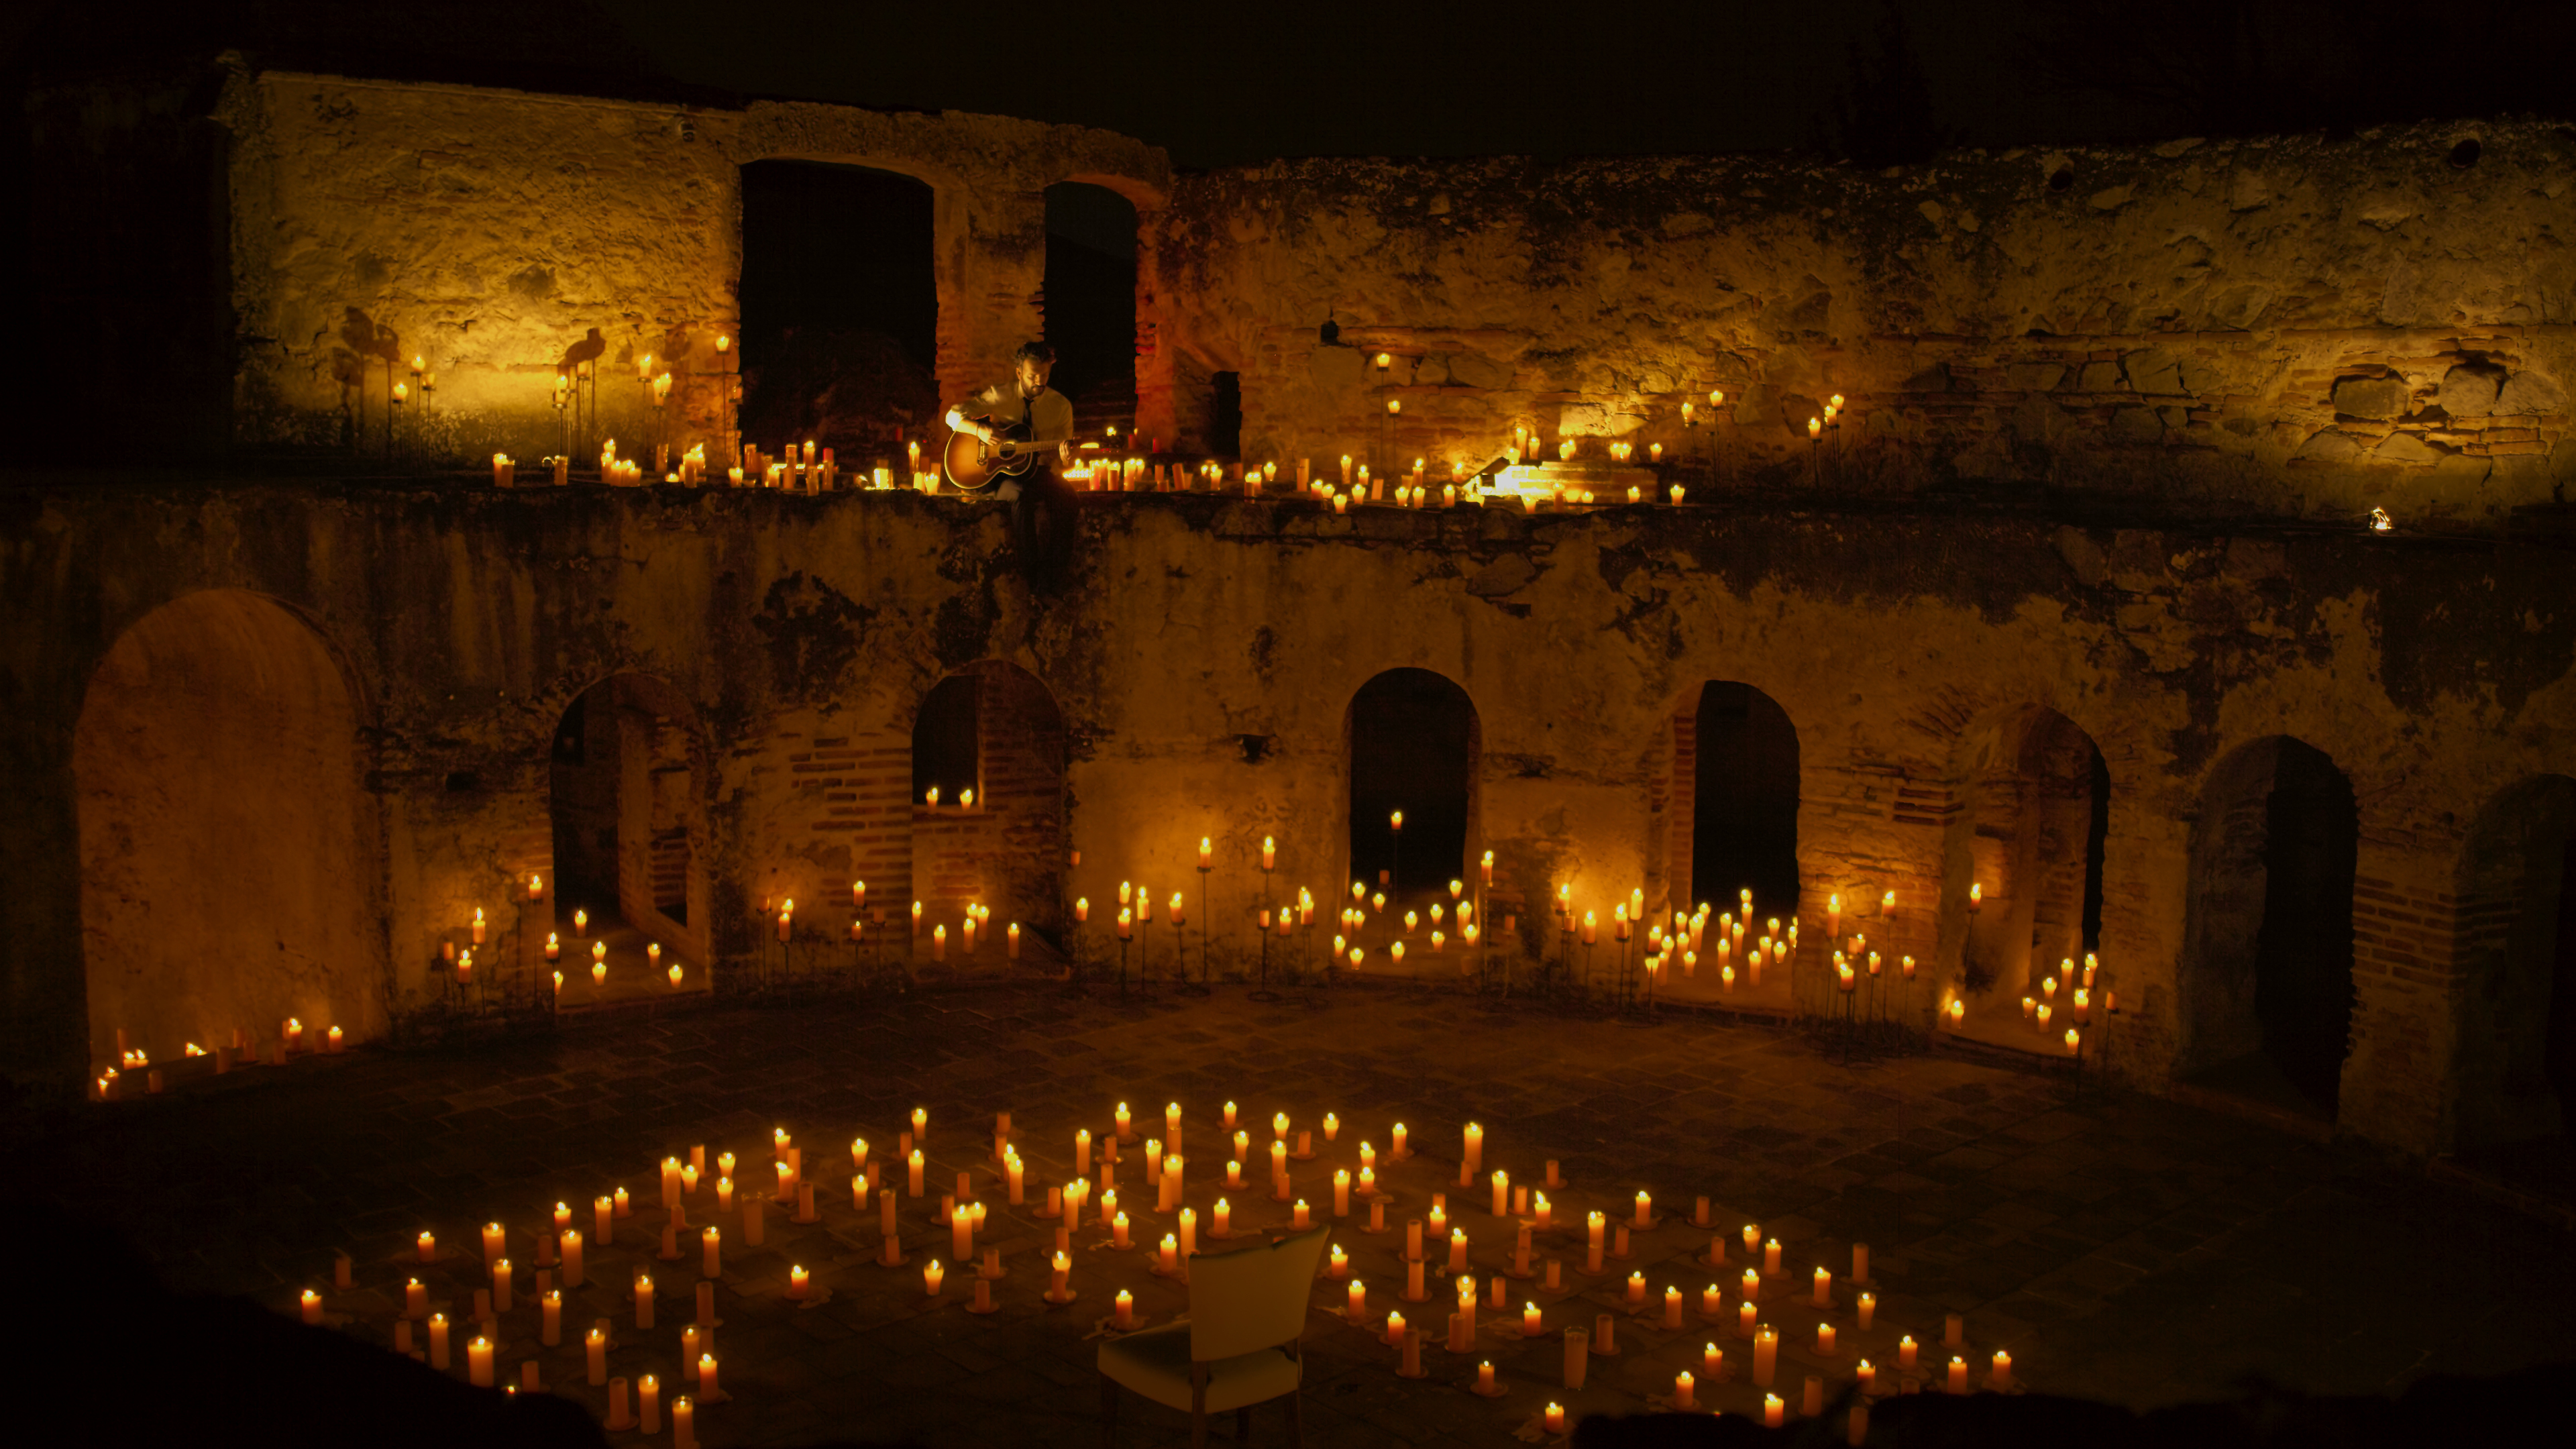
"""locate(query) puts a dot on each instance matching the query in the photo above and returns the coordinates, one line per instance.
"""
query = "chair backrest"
(1252, 1298)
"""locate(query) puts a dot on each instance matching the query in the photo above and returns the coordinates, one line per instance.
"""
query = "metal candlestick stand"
(1207, 914)
(1263, 991)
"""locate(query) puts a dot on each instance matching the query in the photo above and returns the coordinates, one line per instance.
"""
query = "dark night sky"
(1218, 84)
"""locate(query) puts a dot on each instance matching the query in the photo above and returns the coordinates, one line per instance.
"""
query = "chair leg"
(1297, 1419)
(1108, 1412)
(1198, 1429)
(1243, 1423)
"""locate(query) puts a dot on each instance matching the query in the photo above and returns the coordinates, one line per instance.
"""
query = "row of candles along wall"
(818, 471)
(1136, 907)
(111, 1083)
(565, 1250)
(794, 473)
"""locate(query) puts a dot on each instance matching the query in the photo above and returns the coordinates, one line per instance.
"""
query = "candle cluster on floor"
(1443, 1264)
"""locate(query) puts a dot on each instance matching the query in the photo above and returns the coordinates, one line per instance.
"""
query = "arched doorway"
(2516, 1060)
(628, 776)
(2035, 794)
(2266, 974)
(840, 307)
(1090, 303)
(230, 875)
(1413, 747)
(992, 728)
(1741, 753)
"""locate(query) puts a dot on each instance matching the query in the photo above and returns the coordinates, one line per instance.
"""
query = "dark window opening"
(1413, 748)
(1225, 417)
(840, 309)
(945, 740)
(2303, 992)
(2096, 834)
(1744, 801)
(1089, 303)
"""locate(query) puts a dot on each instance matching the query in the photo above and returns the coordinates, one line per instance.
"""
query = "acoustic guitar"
(972, 465)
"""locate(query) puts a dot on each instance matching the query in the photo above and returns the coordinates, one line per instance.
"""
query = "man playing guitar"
(1027, 416)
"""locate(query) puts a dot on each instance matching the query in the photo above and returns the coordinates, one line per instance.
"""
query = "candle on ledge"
(932, 1275)
(1126, 1309)
(1906, 1350)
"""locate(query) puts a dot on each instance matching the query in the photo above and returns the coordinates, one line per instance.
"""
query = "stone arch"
(1734, 810)
(2515, 1072)
(630, 774)
(2265, 978)
(2032, 792)
(231, 874)
(1412, 742)
(1008, 851)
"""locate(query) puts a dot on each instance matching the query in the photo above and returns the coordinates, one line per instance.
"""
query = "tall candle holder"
(1207, 915)
(1262, 992)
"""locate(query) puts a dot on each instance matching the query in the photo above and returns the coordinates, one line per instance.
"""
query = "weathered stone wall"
(488, 232)
(2294, 326)
(2435, 676)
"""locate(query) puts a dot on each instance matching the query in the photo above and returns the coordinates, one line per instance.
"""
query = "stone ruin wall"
(803, 635)
(2293, 327)
(488, 231)
(2299, 327)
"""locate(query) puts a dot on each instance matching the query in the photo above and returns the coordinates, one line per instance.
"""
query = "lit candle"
(478, 1362)
(1126, 1309)
(1905, 1352)
(1645, 1207)
(1824, 1289)
(1825, 1340)
(1683, 1386)
(1358, 1310)
(2001, 1378)
(1958, 1379)
(931, 1277)
(1773, 1411)
(1555, 1418)
(1475, 1146)
(1766, 1354)
(1868, 1309)
(1502, 1192)
(643, 1300)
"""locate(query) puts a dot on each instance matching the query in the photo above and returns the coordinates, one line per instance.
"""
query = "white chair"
(1241, 1347)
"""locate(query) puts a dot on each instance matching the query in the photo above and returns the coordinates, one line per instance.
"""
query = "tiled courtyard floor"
(2121, 1247)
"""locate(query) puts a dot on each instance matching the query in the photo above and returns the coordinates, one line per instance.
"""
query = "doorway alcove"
(1413, 746)
(230, 876)
(2266, 973)
(628, 779)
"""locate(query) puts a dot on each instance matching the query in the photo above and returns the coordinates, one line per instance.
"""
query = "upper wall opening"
(840, 305)
(1090, 303)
